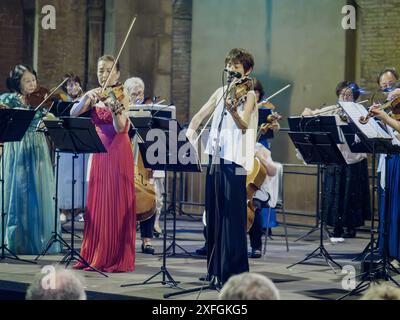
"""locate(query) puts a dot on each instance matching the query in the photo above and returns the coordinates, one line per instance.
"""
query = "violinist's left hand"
(376, 110)
(231, 106)
(275, 126)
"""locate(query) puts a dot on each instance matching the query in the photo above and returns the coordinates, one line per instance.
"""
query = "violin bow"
(50, 94)
(119, 54)
(209, 119)
(278, 92)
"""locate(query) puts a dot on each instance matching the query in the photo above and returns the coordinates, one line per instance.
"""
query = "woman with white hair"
(134, 87)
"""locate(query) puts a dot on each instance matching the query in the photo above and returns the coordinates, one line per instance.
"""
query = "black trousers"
(147, 227)
(256, 231)
(226, 221)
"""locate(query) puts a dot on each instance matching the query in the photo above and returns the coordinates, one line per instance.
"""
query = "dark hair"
(258, 87)
(13, 81)
(109, 58)
(71, 77)
(348, 85)
(391, 70)
(238, 55)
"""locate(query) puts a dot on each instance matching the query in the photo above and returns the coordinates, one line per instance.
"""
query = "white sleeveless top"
(234, 145)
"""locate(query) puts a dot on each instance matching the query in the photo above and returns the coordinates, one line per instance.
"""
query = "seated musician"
(135, 88)
(346, 200)
(269, 216)
(261, 199)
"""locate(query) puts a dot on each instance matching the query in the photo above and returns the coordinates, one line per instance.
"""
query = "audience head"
(381, 292)
(56, 284)
(249, 286)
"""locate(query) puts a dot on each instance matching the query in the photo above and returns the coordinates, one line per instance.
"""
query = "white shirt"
(235, 145)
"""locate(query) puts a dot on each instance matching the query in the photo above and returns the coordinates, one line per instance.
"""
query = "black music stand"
(167, 132)
(13, 125)
(316, 124)
(75, 136)
(361, 145)
(318, 148)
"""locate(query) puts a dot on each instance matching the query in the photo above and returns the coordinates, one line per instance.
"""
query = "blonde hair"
(381, 292)
(249, 286)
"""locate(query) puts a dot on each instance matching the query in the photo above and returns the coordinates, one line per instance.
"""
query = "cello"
(145, 192)
(258, 174)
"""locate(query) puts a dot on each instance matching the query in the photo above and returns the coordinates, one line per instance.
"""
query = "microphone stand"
(214, 281)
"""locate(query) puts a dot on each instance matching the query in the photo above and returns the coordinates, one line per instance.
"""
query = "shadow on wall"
(280, 144)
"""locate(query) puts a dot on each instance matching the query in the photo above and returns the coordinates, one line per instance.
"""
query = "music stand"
(75, 136)
(13, 125)
(361, 145)
(382, 143)
(166, 131)
(179, 151)
(316, 124)
(321, 149)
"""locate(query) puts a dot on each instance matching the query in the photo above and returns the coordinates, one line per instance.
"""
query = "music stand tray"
(74, 135)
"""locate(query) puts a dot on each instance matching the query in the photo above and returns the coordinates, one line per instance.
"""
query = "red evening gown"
(110, 220)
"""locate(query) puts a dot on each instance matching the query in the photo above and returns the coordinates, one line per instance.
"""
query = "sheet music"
(156, 108)
(371, 129)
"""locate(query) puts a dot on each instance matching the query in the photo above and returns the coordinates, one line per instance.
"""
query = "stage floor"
(313, 280)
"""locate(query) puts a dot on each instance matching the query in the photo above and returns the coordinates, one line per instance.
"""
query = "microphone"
(233, 73)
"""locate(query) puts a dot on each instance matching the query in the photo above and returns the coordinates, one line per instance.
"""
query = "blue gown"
(391, 207)
(29, 189)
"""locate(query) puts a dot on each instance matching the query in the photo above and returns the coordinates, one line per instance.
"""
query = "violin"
(238, 91)
(36, 98)
(393, 105)
(266, 104)
(268, 124)
(117, 90)
(117, 95)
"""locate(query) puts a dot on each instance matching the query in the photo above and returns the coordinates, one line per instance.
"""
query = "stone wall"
(11, 35)
(378, 28)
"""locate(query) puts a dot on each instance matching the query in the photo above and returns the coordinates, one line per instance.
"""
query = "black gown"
(346, 196)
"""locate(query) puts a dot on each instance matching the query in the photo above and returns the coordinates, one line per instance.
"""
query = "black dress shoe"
(337, 232)
(201, 251)
(255, 254)
(147, 249)
(350, 233)
(206, 278)
(156, 233)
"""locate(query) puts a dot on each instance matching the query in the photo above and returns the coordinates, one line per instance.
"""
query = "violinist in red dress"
(110, 221)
